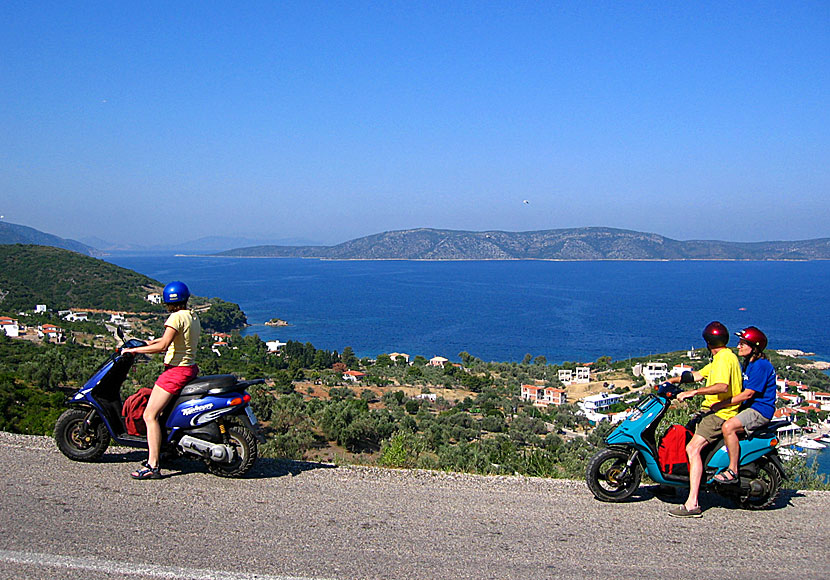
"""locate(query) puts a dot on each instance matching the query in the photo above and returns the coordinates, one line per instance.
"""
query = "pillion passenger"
(723, 382)
(757, 399)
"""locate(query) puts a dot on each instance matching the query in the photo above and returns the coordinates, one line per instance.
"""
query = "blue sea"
(502, 310)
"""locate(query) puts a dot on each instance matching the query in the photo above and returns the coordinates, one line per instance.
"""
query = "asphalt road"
(65, 520)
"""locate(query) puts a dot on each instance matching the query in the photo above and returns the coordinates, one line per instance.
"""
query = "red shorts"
(173, 379)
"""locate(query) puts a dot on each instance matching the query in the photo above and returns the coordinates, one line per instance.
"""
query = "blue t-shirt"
(759, 376)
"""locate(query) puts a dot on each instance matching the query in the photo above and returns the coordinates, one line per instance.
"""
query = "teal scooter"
(614, 473)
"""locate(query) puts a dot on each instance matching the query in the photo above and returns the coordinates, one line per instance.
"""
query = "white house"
(395, 356)
(428, 396)
(353, 376)
(654, 372)
(438, 361)
(274, 346)
(678, 370)
(51, 332)
(578, 375)
(154, 298)
(118, 319)
(77, 317)
(40, 309)
(10, 327)
(599, 403)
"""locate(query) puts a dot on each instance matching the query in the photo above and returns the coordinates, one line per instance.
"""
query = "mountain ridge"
(576, 244)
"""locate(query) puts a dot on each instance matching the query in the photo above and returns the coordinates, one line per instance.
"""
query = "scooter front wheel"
(607, 476)
(80, 438)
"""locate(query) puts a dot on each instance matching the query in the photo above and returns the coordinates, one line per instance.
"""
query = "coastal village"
(599, 396)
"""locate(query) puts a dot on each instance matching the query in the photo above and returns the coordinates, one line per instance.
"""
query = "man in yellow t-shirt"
(723, 381)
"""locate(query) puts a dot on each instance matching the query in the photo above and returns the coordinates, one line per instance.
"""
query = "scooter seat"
(210, 384)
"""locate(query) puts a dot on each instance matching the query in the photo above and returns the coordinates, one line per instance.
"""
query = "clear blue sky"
(151, 122)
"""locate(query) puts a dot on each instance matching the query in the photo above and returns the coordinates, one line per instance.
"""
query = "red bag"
(133, 412)
(671, 453)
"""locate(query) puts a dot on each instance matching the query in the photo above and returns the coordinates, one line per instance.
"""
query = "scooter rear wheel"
(764, 487)
(245, 446)
(78, 440)
(607, 478)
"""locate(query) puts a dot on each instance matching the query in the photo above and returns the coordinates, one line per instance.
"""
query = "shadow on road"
(264, 467)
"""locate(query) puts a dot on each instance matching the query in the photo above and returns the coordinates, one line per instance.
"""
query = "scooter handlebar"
(668, 390)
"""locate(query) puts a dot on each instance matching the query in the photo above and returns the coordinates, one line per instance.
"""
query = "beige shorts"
(709, 427)
(751, 420)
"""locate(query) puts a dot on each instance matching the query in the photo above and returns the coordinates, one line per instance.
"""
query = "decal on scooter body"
(197, 412)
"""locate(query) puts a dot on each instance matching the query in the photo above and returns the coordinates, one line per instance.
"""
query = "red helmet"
(753, 337)
(716, 335)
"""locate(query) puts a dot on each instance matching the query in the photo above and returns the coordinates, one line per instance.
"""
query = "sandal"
(147, 473)
(727, 476)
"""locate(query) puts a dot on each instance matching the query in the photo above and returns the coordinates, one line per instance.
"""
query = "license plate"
(251, 416)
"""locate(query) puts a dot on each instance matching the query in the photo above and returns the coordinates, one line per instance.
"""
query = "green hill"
(61, 279)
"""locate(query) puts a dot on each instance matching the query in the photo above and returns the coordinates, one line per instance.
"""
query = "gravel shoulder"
(307, 520)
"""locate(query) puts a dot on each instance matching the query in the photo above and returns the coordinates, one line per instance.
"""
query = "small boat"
(789, 452)
(807, 443)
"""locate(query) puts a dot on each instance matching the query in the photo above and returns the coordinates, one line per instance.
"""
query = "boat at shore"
(806, 443)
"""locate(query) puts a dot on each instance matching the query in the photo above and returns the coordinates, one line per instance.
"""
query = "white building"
(599, 403)
(40, 309)
(154, 298)
(678, 370)
(578, 375)
(274, 346)
(118, 319)
(10, 327)
(542, 396)
(77, 317)
(652, 372)
(437, 361)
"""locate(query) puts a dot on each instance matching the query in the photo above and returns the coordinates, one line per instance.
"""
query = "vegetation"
(477, 425)
(590, 243)
(461, 417)
(62, 279)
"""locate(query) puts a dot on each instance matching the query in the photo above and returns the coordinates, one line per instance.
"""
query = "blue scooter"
(210, 419)
(614, 473)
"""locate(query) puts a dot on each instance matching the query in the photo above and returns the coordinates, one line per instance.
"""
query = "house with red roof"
(353, 376)
(542, 396)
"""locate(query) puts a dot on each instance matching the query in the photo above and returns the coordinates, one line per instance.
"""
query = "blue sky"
(160, 122)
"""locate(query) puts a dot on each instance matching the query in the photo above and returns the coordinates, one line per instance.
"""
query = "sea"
(504, 310)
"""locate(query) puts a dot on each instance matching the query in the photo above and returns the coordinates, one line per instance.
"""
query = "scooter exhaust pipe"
(212, 451)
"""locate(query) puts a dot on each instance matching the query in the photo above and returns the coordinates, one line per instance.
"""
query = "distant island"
(591, 243)
(276, 322)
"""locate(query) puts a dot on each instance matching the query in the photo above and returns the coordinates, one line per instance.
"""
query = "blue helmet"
(175, 293)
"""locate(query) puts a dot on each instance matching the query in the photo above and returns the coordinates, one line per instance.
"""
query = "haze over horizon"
(160, 124)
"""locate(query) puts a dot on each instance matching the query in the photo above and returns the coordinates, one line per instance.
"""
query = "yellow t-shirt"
(182, 351)
(724, 368)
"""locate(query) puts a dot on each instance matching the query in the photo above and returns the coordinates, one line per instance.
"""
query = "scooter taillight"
(246, 397)
(235, 401)
(773, 442)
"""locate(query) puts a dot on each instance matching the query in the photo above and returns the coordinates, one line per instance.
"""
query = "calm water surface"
(574, 311)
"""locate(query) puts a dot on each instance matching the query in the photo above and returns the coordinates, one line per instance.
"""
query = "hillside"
(562, 244)
(17, 234)
(62, 279)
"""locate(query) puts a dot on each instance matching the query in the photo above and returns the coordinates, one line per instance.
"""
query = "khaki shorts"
(751, 420)
(709, 427)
